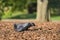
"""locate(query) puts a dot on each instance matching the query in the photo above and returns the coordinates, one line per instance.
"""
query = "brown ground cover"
(42, 31)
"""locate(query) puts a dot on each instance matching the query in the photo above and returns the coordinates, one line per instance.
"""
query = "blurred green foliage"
(17, 9)
(19, 15)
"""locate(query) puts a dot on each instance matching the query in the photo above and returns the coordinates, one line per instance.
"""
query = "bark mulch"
(42, 31)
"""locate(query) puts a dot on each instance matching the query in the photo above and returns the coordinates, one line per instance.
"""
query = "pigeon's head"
(32, 24)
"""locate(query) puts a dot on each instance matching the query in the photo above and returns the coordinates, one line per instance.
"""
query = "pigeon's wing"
(25, 25)
(20, 27)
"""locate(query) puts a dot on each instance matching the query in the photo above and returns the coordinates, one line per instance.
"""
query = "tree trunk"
(48, 15)
(42, 10)
(39, 9)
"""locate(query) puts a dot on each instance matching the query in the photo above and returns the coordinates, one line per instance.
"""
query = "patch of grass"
(56, 18)
(24, 16)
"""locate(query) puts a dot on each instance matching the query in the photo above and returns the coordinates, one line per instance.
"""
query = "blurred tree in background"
(54, 6)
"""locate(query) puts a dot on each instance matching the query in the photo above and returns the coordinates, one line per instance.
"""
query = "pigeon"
(22, 27)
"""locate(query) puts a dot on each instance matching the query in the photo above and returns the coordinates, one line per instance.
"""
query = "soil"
(42, 31)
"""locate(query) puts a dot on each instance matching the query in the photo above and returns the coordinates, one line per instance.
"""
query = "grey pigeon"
(21, 27)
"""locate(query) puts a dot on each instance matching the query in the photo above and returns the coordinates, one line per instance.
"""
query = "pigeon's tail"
(15, 26)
